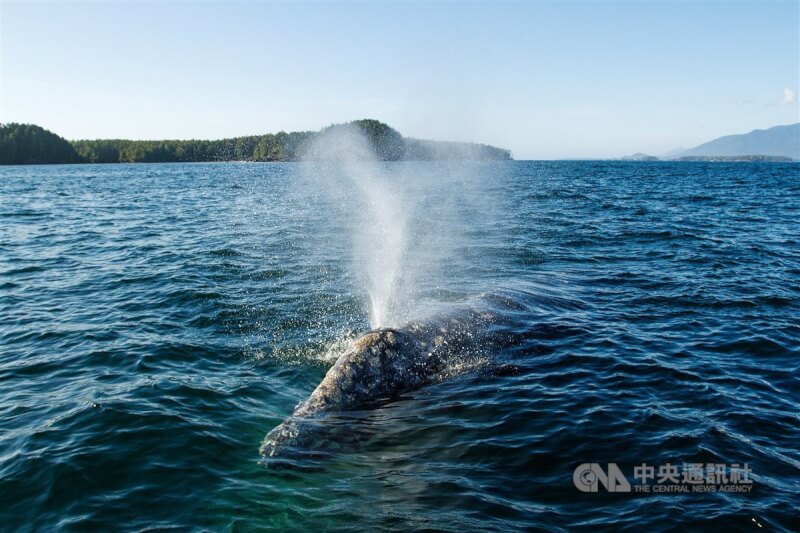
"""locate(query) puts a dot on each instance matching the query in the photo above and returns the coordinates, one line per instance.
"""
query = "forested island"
(22, 144)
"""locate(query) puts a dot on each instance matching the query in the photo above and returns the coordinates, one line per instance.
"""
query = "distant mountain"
(780, 141)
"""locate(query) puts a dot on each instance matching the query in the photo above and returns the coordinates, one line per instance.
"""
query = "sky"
(545, 79)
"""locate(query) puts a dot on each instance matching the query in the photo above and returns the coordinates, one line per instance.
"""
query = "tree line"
(30, 144)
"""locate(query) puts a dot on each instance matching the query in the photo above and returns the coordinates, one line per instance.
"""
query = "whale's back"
(380, 364)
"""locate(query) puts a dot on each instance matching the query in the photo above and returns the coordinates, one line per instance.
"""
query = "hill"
(26, 144)
(639, 156)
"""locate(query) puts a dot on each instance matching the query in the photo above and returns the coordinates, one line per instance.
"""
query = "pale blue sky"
(545, 79)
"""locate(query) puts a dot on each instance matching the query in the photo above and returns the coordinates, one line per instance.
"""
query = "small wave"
(30, 269)
(225, 252)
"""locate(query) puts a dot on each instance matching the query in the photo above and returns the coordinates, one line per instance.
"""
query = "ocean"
(158, 320)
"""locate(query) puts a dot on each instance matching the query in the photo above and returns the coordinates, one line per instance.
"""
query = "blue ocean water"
(156, 321)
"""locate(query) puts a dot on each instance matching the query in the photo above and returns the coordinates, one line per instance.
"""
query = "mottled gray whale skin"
(381, 364)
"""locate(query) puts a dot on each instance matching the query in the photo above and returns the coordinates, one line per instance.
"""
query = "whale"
(385, 363)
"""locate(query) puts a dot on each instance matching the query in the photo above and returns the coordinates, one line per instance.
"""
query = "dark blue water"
(156, 321)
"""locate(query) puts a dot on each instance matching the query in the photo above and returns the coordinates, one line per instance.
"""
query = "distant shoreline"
(625, 161)
(756, 158)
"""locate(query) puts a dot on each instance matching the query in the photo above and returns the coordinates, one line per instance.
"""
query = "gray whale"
(383, 364)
